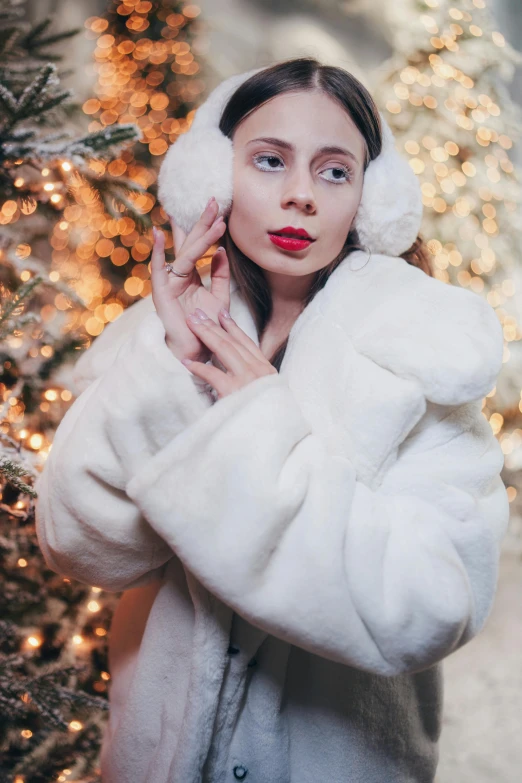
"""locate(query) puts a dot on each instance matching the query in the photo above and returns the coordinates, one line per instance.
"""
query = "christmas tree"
(444, 94)
(148, 73)
(53, 677)
(77, 226)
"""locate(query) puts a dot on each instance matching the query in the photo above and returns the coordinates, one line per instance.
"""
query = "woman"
(306, 517)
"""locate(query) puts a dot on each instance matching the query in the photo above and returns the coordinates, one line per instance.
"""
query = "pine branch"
(43, 692)
(32, 36)
(114, 194)
(12, 472)
(36, 99)
(62, 351)
(117, 197)
(8, 102)
(38, 268)
(8, 44)
(99, 144)
(49, 697)
(12, 302)
(14, 74)
(33, 43)
(18, 40)
(36, 91)
(50, 41)
(13, 462)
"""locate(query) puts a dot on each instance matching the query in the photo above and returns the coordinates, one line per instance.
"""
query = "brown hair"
(303, 73)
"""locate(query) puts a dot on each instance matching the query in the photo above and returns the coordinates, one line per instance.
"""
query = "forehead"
(308, 119)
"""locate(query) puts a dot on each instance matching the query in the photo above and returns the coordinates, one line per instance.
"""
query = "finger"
(158, 271)
(233, 357)
(240, 346)
(201, 226)
(161, 278)
(243, 344)
(220, 276)
(188, 257)
(178, 236)
(186, 260)
(240, 337)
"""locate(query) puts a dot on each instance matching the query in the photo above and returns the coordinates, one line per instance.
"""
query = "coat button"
(233, 650)
(240, 773)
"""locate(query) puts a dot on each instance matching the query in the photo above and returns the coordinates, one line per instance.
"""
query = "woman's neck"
(288, 290)
(286, 307)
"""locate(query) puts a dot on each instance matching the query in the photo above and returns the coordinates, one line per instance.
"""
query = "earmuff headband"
(200, 165)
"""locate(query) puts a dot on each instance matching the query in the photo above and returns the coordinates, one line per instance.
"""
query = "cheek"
(251, 196)
(340, 212)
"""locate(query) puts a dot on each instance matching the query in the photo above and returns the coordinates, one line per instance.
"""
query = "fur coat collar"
(392, 328)
(445, 338)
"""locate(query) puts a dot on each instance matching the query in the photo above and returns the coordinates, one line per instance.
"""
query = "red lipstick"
(290, 238)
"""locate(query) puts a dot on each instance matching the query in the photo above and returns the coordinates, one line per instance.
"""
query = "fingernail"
(202, 314)
(209, 202)
(219, 248)
(186, 362)
(154, 232)
(225, 313)
(194, 318)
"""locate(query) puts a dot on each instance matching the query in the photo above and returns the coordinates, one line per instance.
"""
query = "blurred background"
(447, 75)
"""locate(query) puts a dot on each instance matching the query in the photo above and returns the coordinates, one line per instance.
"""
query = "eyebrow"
(328, 149)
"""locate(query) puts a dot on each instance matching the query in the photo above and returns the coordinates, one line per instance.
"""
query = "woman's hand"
(240, 356)
(175, 297)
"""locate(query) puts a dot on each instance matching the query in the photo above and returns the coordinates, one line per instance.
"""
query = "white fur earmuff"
(200, 165)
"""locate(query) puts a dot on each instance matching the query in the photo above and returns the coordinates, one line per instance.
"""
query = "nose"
(298, 190)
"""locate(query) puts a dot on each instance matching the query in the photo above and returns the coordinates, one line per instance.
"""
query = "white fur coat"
(305, 551)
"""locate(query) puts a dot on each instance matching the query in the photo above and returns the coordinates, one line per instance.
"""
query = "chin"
(286, 265)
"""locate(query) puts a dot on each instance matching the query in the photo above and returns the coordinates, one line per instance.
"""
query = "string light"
(146, 73)
(469, 198)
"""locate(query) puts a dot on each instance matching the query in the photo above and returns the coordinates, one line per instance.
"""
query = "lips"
(286, 242)
(292, 233)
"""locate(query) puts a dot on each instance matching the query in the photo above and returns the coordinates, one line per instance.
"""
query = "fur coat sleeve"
(87, 527)
(389, 580)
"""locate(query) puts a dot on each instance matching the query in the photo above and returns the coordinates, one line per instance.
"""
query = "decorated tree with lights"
(146, 61)
(444, 94)
(76, 223)
(53, 675)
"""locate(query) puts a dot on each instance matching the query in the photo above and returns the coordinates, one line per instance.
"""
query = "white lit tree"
(444, 94)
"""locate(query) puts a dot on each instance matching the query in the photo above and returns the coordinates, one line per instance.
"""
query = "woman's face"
(290, 181)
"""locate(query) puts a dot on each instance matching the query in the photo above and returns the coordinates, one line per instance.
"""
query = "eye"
(258, 158)
(343, 171)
